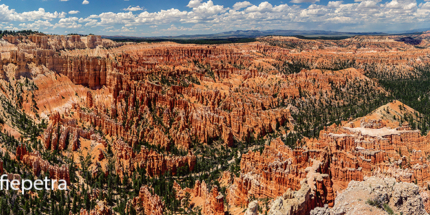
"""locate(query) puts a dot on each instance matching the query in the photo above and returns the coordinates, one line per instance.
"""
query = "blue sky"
(168, 17)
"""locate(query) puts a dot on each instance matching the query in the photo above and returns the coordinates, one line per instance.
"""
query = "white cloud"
(402, 4)
(11, 28)
(174, 28)
(393, 4)
(334, 4)
(162, 17)
(36, 25)
(85, 2)
(304, 1)
(240, 5)
(69, 22)
(122, 30)
(204, 12)
(206, 16)
(116, 17)
(262, 7)
(130, 8)
(194, 3)
(425, 5)
(41, 14)
(7, 14)
(368, 4)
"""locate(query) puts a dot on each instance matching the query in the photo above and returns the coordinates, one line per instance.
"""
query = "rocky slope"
(322, 168)
(149, 127)
(376, 196)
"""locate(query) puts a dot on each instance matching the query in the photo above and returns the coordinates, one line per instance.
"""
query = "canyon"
(282, 125)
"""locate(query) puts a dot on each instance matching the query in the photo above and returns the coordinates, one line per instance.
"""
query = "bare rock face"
(1, 167)
(352, 53)
(35, 162)
(294, 202)
(156, 164)
(233, 104)
(58, 42)
(210, 201)
(172, 95)
(377, 195)
(93, 41)
(101, 208)
(214, 202)
(279, 171)
(147, 202)
(361, 148)
(64, 133)
(252, 208)
(20, 152)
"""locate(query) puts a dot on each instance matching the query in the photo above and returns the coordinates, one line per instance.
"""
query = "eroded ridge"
(282, 125)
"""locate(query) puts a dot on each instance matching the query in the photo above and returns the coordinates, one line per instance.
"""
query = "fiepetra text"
(25, 184)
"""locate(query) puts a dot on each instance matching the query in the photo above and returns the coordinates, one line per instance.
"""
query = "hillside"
(321, 169)
(168, 128)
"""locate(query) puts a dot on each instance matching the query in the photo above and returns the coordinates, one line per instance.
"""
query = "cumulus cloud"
(130, 8)
(11, 28)
(85, 2)
(262, 7)
(334, 4)
(175, 28)
(41, 14)
(425, 5)
(122, 30)
(36, 25)
(111, 18)
(194, 3)
(69, 22)
(304, 1)
(368, 4)
(402, 4)
(205, 12)
(88, 21)
(207, 16)
(7, 14)
(162, 17)
(240, 5)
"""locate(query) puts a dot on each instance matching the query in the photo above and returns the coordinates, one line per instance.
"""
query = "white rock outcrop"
(376, 196)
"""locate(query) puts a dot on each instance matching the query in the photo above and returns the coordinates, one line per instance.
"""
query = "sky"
(178, 17)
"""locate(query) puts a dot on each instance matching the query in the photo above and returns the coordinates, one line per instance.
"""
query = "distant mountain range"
(257, 33)
(418, 30)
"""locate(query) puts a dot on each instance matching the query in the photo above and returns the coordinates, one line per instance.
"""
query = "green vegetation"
(21, 32)
(414, 92)
(373, 203)
(388, 209)
(312, 112)
(187, 41)
(323, 37)
(378, 204)
(359, 99)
